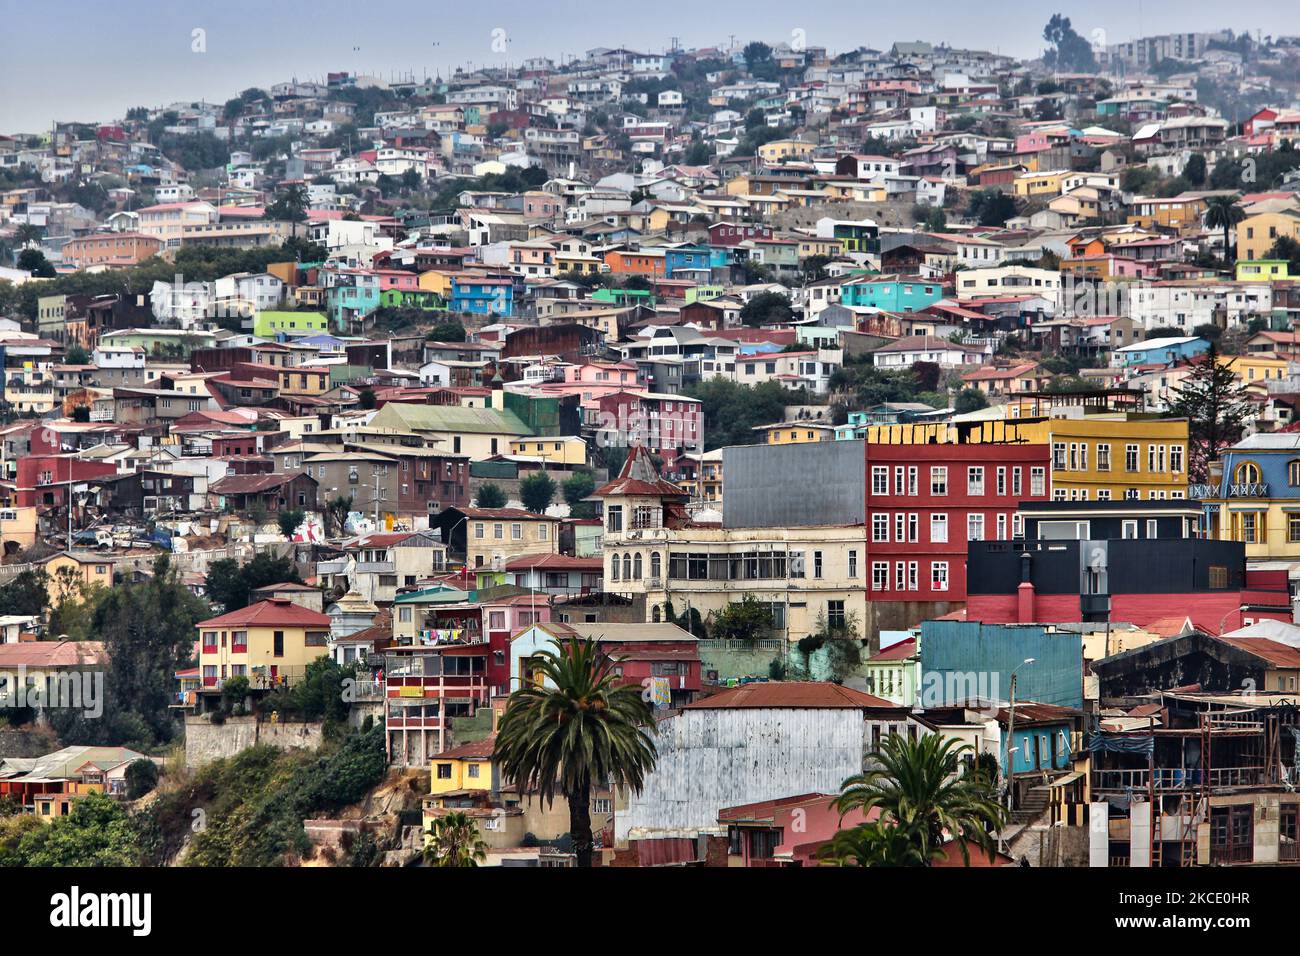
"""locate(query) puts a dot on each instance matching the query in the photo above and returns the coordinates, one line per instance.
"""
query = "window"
(614, 518)
(278, 640)
(835, 617)
(900, 575)
(912, 473)
(1002, 482)
(516, 532)
(879, 480)
(938, 528)
(1058, 456)
(1129, 529)
(975, 527)
(938, 480)
(1293, 527)
(1247, 473)
(1038, 482)
(879, 575)
(1218, 577)
(1103, 457)
(1130, 457)
(880, 526)
(975, 481)
(1176, 458)
(911, 575)
(853, 564)
(938, 575)
(900, 526)
(913, 528)
(817, 564)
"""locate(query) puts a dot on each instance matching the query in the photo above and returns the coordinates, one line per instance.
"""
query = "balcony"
(1123, 781)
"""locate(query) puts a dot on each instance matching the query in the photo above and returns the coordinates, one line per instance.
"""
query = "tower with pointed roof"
(641, 508)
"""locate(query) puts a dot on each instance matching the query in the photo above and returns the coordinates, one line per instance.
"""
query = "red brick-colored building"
(926, 502)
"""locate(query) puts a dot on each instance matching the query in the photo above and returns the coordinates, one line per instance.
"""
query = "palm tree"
(874, 844)
(27, 235)
(1223, 212)
(921, 788)
(454, 841)
(576, 728)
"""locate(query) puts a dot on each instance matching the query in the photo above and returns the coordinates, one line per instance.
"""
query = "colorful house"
(891, 293)
(271, 324)
(1253, 496)
(270, 643)
(478, 295)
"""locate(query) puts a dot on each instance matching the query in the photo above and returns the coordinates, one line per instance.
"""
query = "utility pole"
(1011, 729)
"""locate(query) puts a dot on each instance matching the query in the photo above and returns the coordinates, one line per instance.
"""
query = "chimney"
(1025, 592)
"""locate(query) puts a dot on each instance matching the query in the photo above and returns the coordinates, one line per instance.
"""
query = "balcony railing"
(1121, 781)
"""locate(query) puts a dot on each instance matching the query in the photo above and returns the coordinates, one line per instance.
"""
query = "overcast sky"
(89, 60)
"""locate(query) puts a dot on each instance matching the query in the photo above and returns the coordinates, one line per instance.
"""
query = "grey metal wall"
(792, 486)
(711, 759)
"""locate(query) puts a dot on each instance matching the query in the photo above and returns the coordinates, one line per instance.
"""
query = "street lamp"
(1223, 620)
(1011, 727)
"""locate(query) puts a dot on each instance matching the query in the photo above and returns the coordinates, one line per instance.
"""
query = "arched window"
(655, 614)
(1247, 473)
(627, 567)
(636, 567)
(654, 564)
(613, 568)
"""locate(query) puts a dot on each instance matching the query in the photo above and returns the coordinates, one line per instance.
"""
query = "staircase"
(1031, 807)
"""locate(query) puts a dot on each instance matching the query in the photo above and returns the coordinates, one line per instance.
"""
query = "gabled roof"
(269, 613)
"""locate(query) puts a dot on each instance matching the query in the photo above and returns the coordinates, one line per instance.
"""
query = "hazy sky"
(90, 60)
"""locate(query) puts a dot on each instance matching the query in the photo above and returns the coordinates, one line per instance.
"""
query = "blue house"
(1040, 738)
(687, 259)
(891, 293)
(482, 296)
(1159, 351)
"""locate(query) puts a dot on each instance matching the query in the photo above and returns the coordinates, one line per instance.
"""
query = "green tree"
(96, 832)
(76, 355)
(453, 840)
(767, 308)
(26, 595)
(577, 487)
(337, 510)
(918, 786)
(537, 491)
(447, 332)
(490, 496)
(366, 398)
(1070, 53)
(141, 778)
(745, 620)
(1216, 408)
(290, 520)
(290, 206)
(873, 844)
(578, 727)
(969, 400)
(229, 584)
(1222, 212)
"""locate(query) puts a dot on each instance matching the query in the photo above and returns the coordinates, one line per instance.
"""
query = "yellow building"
(1177, 213)
(270, 643)
(1032, 185)
(434, 280)
(70, 569)
(561, 449)
(465, 768)
(1255, 368)
(795, 433)
(1256, 234)
(779, 150)
(1263, 270)
(1103, 457)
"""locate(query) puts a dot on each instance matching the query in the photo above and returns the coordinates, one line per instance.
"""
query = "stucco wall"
(205, 741)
